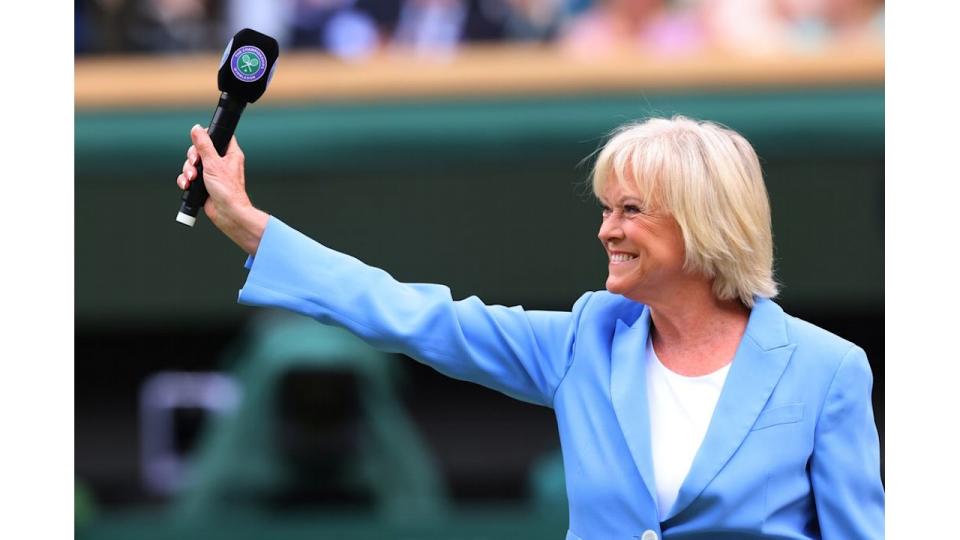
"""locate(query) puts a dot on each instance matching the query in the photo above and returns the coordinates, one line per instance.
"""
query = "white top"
(680, 412)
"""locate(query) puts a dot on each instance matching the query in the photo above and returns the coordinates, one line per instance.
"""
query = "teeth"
(621, 257)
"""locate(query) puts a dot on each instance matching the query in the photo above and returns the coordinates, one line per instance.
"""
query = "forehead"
(616, 190)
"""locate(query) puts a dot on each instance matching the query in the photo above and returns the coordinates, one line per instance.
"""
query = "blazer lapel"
(628, 391)
(760, 360)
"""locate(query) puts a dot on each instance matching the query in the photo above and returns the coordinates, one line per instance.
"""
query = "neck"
(694, 332)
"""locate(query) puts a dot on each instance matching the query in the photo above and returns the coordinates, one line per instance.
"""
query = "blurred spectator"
(81, 39)
(769, 26)
(100, 26)
(349, 29)
(355, 29)
(439, 27)
(147, 25)
(818, 21)
(536, 20)
(271, 18)
(341, 27)
(747, 26)
(655, 25)
(436, 27)
(174, 25)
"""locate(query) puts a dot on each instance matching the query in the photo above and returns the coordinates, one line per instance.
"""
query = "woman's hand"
(228, 206)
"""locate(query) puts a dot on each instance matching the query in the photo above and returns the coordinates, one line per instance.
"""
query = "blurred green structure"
(348, 420)
(357, 433)
(84, 505)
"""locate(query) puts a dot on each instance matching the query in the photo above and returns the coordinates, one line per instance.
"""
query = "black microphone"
(245, 71)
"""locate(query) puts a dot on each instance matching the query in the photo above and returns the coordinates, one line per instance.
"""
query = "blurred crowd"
(356, 29)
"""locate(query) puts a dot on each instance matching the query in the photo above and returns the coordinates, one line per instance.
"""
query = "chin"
(615, 287)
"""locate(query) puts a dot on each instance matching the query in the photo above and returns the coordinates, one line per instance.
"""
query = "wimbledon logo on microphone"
(248, 63)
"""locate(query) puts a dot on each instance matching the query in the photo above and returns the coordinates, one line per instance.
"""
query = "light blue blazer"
(791, 451)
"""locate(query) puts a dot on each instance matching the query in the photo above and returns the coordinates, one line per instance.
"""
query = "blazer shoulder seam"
(573, 352)
(826, 395)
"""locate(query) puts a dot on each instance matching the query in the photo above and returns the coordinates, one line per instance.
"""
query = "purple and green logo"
(248, 63)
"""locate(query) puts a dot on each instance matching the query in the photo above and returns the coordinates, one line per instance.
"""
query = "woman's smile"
(620, 257)
(644, 246)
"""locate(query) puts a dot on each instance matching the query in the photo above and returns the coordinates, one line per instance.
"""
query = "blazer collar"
(628, 392)
(758, 364)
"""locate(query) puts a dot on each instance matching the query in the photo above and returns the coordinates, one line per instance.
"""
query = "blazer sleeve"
(524, 354)
(845, 467)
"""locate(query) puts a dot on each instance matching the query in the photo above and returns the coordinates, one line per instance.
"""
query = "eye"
(605, 211)
(631, 210)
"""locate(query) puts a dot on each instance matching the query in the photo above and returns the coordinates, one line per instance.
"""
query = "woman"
(689, 405)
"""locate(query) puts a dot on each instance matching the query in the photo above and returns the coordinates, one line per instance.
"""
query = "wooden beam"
(503, 70)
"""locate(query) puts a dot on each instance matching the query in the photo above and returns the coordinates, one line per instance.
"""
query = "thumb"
(201, 139)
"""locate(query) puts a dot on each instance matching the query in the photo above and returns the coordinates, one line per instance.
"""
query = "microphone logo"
(248, 63)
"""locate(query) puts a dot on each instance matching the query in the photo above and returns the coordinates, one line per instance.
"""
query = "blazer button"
(649, 534)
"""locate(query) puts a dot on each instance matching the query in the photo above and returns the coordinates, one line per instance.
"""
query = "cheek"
(672, 245)
(673, 249)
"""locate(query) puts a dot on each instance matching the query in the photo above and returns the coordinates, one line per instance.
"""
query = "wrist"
(245, 227)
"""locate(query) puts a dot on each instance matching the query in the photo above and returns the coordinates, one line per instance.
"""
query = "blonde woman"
(689, 405)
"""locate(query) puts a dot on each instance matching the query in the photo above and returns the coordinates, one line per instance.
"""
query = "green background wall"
(486, 196)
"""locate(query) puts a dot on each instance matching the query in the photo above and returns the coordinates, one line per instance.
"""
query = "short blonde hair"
(708, 178)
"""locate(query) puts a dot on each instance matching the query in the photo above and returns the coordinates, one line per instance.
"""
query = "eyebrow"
(624, 199)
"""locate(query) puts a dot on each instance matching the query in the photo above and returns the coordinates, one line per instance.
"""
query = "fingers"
(203, 144)
(203, 150)
(189, 169)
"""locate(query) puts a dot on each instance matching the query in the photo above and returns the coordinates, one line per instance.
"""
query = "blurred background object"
(174, 408)
(154, 26)
(766, 27)
(659, 26)
(438, 171)
(357, 29)
(320, 425)
(344, 28)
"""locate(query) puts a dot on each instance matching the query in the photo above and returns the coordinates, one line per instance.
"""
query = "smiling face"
(657, 174)
(644, 245)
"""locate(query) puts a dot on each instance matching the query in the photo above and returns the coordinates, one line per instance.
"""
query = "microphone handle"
(222, 126)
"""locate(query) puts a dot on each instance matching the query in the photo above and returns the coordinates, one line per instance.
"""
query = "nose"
(610, 230)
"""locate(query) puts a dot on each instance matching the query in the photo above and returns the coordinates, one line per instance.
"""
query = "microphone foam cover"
(247, 65)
